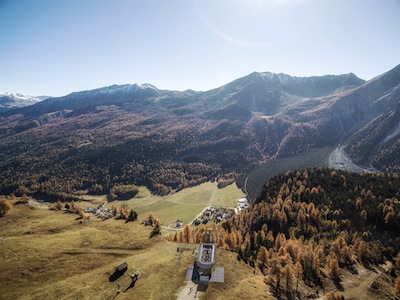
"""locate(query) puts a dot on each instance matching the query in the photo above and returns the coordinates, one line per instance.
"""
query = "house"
(197, 221)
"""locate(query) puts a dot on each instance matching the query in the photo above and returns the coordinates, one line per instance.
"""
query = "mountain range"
(91, 140)
(12, 101)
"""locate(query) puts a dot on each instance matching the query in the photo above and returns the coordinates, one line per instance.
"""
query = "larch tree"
(298, 273)
(280, 240)
(288, 277)
(132, 216)
(277, 218)
(180, 237)
(396, 288)
(187, 234)
(151, 219)
(398, 260)
(156, 228)
(221, 243)
(332, 295)
(239, 238)
(262, 258)
(363, 216)
(390, 218)
(276, 270)
(5, 206)
(358, 203)
(114, 210)
(284, 219)
(270, 239)
(123, 213)
(231, 240)
(333, 267)
(301, 221)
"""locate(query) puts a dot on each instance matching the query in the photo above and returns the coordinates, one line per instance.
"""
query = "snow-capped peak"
(112, 89)
(19, 97)
(146, 86)
(14, 100)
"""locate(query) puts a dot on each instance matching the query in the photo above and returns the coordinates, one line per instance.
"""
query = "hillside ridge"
(168, 140)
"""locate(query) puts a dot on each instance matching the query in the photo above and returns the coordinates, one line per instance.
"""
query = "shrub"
(156, 228)
(132, 216)
(333, 295)
(396, 288)
(5, 206)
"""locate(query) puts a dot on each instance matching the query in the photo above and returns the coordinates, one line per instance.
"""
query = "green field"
(52, 255)
(184, 205)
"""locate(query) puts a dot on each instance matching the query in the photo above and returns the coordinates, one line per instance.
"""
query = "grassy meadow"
(186, 204)
(48, 254)
(183, 205)
(52, 255)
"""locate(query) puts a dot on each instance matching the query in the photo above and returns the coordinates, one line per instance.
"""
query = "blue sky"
(55, 47)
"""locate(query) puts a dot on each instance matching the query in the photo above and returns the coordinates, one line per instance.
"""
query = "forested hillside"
(308, 226)
(90, 141)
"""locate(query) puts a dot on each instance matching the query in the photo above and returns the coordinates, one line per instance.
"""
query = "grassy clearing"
(241, 282)
(185, 204)
(46, 254)
(50, 255)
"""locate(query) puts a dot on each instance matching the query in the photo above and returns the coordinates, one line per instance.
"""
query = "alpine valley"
(93, 182)
(167, 140)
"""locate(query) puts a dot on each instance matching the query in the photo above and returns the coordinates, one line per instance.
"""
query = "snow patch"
(125, 89)
(146, 86)
(19, 97)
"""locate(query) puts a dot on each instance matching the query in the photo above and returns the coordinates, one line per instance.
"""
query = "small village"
(100, 212)
(215, 214)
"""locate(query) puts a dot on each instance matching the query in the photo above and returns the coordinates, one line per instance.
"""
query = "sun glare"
(249, 23)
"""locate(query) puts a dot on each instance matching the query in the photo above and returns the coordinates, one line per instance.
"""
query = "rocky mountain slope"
(377, 143)
(89, 141)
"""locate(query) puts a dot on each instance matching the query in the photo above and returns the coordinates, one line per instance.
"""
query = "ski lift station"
(203, 271)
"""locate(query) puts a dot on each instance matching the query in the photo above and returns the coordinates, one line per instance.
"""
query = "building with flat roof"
(203, 271)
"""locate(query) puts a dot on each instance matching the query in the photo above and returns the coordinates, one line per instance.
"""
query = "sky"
(55, 47)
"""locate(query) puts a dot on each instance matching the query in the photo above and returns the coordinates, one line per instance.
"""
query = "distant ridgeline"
(106, 140)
